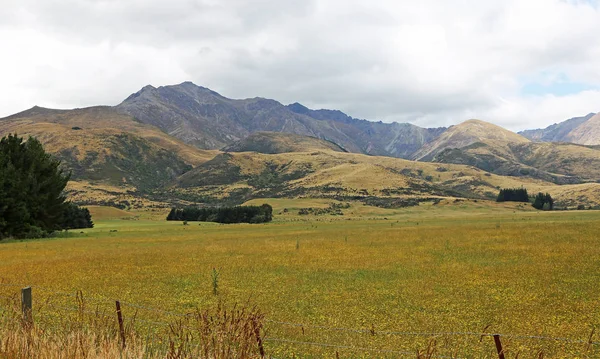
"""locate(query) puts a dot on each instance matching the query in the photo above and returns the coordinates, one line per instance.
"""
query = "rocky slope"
(207, 120)
(581, 130)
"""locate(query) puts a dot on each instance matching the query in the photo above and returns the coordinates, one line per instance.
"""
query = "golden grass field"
(457, 267)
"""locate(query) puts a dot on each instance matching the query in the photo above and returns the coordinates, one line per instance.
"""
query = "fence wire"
(433, 334)
(349, 347)
(98, 300)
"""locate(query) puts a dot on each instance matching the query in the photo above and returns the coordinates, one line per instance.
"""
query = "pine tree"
(543, 201)
(513, 194)
(32, 201)
(76, 217)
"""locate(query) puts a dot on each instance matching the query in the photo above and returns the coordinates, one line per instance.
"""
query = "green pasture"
(345, 281)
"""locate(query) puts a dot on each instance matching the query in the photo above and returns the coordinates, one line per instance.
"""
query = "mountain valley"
(188, 144)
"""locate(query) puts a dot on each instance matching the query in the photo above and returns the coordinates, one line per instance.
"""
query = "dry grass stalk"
(216, 334)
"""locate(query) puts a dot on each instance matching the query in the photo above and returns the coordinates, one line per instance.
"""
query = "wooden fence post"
(26, 306)
(261, 349)
(120, 319)
(499, 346)
(589, 343)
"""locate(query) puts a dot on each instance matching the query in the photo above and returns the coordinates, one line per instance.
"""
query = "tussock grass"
(449, 268)
(216, 333)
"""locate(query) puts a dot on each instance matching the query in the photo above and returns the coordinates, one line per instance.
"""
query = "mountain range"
(207, 120)
(580, 130)
(188, 143)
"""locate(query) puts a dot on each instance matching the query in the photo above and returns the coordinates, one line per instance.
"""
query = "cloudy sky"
(517, 63)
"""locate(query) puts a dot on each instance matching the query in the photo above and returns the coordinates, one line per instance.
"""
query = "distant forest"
(238, 214)
(513, 195)
(541, 201)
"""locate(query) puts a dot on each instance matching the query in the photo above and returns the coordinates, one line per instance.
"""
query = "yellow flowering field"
(426, 282)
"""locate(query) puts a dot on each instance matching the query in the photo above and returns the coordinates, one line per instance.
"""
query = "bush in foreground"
(32, 199)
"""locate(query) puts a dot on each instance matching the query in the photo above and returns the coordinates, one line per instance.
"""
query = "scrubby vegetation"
(237, 214)
(217, 332)
(334, 209)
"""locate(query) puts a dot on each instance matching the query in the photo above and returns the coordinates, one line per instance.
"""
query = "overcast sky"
(517, 63)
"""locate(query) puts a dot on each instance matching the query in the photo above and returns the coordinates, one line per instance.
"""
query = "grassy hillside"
(103, 147)
(120, 162)
(92, 119)
(383, 181)
(105, 155)
(560, 163)
(277, 142)
(465, 134)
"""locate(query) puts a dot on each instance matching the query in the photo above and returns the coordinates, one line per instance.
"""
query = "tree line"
(32, 199)
(513, 195)
(237, 214)
(541, 201)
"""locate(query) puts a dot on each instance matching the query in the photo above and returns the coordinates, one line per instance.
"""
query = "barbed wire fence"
(156, 321)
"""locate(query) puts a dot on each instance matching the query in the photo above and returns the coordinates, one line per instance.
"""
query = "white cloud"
(431, 62)
(518, 113)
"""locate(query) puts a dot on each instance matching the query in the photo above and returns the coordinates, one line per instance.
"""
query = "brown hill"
(277, 142)
(385, 181)
(100, 145)
(560, 163)
(465, 134)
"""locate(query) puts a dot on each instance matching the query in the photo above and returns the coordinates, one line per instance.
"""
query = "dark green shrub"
(32, 199)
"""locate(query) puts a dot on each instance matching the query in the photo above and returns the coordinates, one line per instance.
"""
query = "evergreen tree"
(32, 201)
(543, 201)
(538, 202)
(171, 216)
(76, 217)
(238, 214)
(513, 194)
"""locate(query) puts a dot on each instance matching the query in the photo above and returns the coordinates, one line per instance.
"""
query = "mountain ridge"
(565, 131)
(152, 142)
(208, 120)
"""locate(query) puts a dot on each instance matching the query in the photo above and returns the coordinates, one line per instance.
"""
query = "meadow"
(370, 283)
